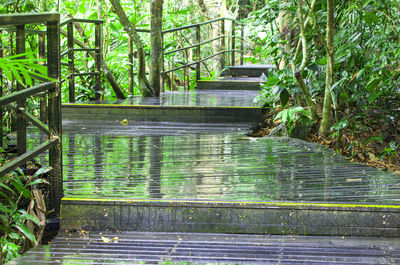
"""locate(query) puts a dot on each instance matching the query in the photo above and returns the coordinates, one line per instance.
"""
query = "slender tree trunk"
(156, 53)
(284, 30)
(299, 74)
(330, 53)
(144, 84)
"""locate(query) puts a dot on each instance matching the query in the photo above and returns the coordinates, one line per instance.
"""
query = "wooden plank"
(28, 18)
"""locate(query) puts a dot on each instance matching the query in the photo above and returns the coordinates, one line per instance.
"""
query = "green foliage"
(391, 151)
(24, 70)
(338, 126)
(291, 116)
(14, 189)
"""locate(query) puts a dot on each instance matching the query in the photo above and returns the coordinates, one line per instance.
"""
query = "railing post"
(198, 36)
(130, 59)
(242, 46)
(54, 116)
(21, 103)
(98, 46)
(71, 63)
(43, 97)
(233, 43)
(222, 32)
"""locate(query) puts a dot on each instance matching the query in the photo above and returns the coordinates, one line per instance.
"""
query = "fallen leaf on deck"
(106, 239)
(124, 122)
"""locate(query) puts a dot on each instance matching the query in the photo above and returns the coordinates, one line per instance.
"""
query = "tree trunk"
(330, 53)
(299, 74)
(284, 22)
(156, 53)
(144, 84)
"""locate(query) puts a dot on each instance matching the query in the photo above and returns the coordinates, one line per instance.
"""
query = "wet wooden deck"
(184, 248)
(209, 178)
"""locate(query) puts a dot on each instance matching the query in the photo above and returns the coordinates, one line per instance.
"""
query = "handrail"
(224, 49)
(28, 18)
(52, 104)
(71, 50)
(22, 94)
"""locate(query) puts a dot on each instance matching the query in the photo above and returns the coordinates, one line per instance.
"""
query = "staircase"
(179, 181)
(247, 77)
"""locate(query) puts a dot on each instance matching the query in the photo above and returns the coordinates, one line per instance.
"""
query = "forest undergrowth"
(370, 136)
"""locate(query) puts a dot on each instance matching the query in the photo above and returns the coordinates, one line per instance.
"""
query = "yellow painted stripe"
(282, 204)
(153, 106)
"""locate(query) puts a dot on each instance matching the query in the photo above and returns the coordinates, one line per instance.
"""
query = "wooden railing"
(17, 101)
(226, 39)
(72, 50)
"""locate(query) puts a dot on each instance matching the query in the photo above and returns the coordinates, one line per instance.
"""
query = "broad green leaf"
(14, 236)
(27, 77)
(6, 71)
(374, 96)
(17, 75)
(4, 209)
(21, 189)
(26, 232)
(272, 81)
(284, 116)
(284, 97)
(41, 171)
(291, 115)
(36, 181)
(322, 61)
(2, 185)
(371, 18)
(373, 83)
(26, 216)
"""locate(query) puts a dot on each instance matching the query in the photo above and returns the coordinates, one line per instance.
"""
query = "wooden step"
(230, 83)
(188, 248)
(249, 70)
(200, 114)
(237, 217)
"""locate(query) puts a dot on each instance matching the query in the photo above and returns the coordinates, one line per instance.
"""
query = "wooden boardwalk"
(187, 190)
